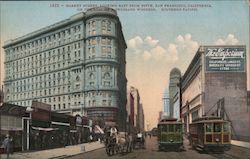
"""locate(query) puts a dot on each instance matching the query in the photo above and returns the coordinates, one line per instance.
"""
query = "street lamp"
(28, 121)
(83, 113)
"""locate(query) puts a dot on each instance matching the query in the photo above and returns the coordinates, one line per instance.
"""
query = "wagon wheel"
(108, 151)
(116, 148)
(113, 150)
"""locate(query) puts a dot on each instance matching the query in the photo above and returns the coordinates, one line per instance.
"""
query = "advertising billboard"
(225, 59)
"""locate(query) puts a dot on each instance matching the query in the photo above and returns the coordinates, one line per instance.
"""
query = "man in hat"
(114, 133)
(6, 145)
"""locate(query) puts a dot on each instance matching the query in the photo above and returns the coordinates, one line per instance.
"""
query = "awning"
(11, 129)
(98, 130)
(44, 129)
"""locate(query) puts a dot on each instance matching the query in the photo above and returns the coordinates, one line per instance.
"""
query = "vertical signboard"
(225, 59)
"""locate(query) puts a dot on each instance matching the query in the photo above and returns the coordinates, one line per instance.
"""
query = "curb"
(67, 156)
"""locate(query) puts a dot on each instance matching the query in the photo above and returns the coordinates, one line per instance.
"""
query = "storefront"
(11, 124)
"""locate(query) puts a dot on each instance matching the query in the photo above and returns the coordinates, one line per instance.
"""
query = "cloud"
(135, 44)
(229, 40)
(186, 44)
(150, 41)
(150, 49)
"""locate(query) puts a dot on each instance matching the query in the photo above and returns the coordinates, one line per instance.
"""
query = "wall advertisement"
(225, 59)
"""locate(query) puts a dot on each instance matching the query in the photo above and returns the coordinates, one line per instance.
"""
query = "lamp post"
(28, 110)
(83, 109)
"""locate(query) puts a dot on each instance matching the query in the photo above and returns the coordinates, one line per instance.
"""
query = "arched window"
(106, 75)
(91, 76)
(77, 78)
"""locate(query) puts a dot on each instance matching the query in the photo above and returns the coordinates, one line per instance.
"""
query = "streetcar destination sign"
(228, 59)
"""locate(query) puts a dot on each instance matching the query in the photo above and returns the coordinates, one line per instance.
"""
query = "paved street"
(151, 151)
(57, 152)
(95, 150)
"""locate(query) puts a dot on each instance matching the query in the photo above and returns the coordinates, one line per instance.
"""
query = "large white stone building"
(76, 65)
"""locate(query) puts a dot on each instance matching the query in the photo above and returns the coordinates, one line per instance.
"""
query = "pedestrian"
(6, 145)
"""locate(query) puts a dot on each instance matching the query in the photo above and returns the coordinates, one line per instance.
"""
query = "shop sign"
(225, 59)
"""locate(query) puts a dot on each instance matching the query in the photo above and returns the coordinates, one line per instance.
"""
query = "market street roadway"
(151, 152)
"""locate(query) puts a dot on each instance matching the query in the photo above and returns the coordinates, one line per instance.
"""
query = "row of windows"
(53, 81)
(104, 41)
(92, 103)
(46, 56)
(54, 39)
(53, 99)
(44, 40)
(42, 85)
(49, 46)
(41, 78)
(106, 27)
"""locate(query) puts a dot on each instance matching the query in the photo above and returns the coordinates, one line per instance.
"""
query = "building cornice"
(98, 11)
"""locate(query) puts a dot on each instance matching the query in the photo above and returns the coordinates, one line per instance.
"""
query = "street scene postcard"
(167, 79)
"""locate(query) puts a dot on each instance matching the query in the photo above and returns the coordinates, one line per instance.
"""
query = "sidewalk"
(58, 152)
(240, 143)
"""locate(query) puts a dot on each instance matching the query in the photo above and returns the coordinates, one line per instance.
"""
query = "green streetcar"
(170, 133)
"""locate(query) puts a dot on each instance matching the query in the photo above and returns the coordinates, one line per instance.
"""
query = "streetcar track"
(225, 156)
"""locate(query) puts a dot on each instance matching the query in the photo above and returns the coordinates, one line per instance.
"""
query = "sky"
(158, 34)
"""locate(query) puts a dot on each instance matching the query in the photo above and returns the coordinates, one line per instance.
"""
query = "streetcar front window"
(171, 128)
(209, 127)
(164, 128)
(178, 127)
(217, 127)
(225, 127)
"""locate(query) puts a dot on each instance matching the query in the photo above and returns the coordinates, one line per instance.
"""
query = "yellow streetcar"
(210, 134)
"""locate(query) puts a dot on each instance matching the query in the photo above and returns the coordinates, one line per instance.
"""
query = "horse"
(124, 142)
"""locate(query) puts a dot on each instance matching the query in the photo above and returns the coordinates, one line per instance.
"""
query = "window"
(209, 127)
(104, 49)
(171, 128)
(217, 127)
(94, 103)
(226, 127)
(104, 102)
(195, 115)
(106, 75)
(93, 42)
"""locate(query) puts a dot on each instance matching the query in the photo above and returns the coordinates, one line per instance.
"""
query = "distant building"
(248, 98)
(174, 82)
(137, 108)
(215, 82)
(176, 105)
(130, 109)
(165, 99)
(160, 116)
(141, 118)
(1, 95)
(76, 65)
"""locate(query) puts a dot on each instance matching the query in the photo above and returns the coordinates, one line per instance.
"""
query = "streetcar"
(210, 134)
(170, 133)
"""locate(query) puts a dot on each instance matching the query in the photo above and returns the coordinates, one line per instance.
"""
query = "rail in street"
(151, 151)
